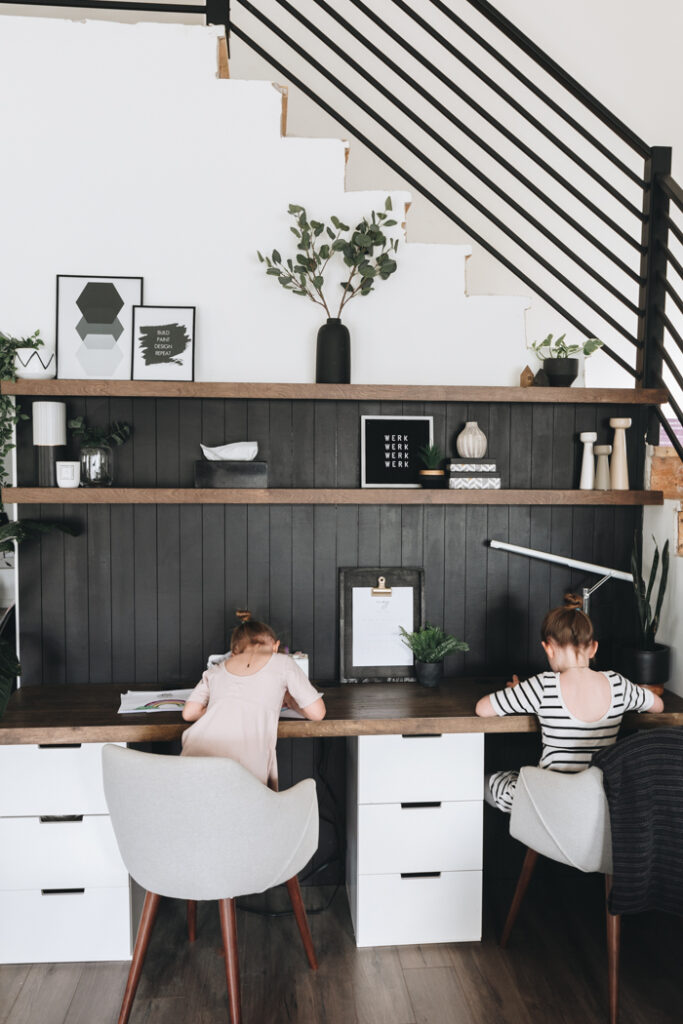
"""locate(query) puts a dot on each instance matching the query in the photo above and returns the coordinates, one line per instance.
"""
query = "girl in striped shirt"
(579, 710)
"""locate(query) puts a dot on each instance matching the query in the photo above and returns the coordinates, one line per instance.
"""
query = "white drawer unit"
(414, 838)
(64, 891)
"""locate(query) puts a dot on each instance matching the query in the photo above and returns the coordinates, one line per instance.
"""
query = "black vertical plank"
(542, 447)
(145, 543)
(121, 411)
(281, 572)
(123, 624)
(168, 598)
(192, 653)
(390, 537)
(518, 567)
(213, 423)
(347, 535)
(497, 658)
(303, 432)
(213, 579)
(25, 454)
(455, 581)
(31, 601)
(167, 444)
(282, 449)
(325, 592)
(521, 433)
(235, 583)
(76, 598)
(369, 535)
(438, 411)
(325, 452)
(412, 518)
(99, 593)
(433, 550)
(501, 440)
(348, 444)
(258, 426)
(563, 447)
(258, 561)
(540, 599)
(302, 583)
(235, 419)
(476, 572)
(51, 583)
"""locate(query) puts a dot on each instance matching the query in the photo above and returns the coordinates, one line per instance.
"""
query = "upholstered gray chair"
(566, 817)
(203, 828)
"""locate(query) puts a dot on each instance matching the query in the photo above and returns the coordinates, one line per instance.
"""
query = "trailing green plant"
(558, 348)
(432, 456)
(117, 433)
(647, 617)
(366, 250)
(10, 410)
(431, 644)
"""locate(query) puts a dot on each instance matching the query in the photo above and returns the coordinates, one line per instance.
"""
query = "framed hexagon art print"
(95, 326)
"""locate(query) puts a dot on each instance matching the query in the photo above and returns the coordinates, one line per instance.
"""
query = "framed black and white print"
(163, 342)
(390, 449)
(95, 326)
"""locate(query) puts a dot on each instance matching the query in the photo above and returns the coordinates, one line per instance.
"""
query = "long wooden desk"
(88, 713)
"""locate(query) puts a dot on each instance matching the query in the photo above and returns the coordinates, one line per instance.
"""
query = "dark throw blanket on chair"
(643, 779)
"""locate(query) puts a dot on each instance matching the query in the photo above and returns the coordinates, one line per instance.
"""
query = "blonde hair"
(568, 625)
(250, 632)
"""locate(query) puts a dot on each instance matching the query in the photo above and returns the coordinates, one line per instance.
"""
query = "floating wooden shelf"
(334, 392)
(317, 496)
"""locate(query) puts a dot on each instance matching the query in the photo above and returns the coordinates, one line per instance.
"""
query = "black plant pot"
(431, 478)
(561, 372)
(333, 353)
(429, 673)
(651, 667)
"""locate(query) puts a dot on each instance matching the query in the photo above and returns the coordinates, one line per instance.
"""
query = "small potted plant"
(433, 474)
(97, 469)
(648, 663)
(368, 255)
(430, 645)
(560, 362)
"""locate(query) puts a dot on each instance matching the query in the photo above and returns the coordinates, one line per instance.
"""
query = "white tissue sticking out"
(240, 451)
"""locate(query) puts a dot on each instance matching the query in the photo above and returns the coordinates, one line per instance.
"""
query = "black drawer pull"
(421, 735)
(420, 874)
(59, 746)
(51, 819)
(60, 892)
(420, 803)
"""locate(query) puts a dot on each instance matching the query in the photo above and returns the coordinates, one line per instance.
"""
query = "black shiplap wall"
(144, 593)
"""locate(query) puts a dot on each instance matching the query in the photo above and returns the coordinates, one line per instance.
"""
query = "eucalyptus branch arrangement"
(10, 411)
(117, 433)
(558, 348)
(367, 253)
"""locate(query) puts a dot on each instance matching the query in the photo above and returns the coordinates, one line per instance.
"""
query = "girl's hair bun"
(573, 601)
(243, 614)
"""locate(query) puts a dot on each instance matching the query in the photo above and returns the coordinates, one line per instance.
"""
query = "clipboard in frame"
(370, 649)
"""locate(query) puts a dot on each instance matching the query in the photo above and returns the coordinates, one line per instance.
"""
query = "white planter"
(35, 364)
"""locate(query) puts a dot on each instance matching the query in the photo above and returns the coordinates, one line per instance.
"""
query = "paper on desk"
(135, 702)
(376, 636)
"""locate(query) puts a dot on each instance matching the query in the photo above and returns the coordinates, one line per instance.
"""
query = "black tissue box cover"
(229, 473)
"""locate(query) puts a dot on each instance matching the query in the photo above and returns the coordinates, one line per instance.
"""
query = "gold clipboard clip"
(381, 590)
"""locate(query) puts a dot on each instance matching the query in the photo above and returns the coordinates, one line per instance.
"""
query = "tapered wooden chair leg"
(147, 919)
(522, 885)
(232, 968)
(302, 920)
(613, 943)
(192, 920)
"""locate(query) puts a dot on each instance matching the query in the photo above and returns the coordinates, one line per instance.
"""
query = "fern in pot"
(430, 645)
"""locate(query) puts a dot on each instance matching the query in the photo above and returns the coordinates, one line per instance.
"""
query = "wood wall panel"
(145, 593)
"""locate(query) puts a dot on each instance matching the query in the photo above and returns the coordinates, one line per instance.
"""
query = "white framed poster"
(163, 342)
(95, 326)
(390, 449)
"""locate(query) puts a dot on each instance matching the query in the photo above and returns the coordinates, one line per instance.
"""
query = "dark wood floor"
(554, 971)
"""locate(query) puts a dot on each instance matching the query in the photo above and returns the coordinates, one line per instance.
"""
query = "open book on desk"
(136, 702)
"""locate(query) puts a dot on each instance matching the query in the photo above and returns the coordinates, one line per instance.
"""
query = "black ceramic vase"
(651, 667)
(333, 353)
(561, 372)
(429, 673)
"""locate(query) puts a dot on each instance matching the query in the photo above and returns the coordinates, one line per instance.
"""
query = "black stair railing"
(648, 320)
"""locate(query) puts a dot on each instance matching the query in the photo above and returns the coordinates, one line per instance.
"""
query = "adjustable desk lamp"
(571, 563)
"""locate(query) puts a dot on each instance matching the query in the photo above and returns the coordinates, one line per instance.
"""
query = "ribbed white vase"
(471, 442)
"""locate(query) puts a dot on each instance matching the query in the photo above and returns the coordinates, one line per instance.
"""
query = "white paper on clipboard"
(376, 621)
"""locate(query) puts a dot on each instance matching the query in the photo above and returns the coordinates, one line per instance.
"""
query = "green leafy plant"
(10, 411)
(431, 644)
(365, 249)
(117, 433)
(431, 456)
(557, 348)
(649, 619)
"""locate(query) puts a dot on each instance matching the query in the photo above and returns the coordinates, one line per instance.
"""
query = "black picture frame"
(159, 355)
(109, 312)
(389, 449)
(350, 578)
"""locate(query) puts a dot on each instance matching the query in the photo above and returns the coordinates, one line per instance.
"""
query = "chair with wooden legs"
(566, 817)
(203, 828)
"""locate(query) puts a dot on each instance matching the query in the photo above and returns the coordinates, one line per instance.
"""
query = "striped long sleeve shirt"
(569, 743)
